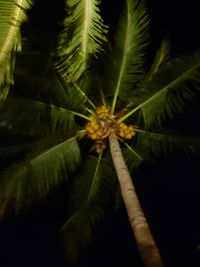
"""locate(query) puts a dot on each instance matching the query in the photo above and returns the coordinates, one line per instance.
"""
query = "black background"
(169, 191)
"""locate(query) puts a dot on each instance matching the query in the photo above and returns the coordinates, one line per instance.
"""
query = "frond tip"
(12, 14)
(83, 35)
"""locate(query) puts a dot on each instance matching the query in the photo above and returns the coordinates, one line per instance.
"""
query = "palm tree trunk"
(146, 244)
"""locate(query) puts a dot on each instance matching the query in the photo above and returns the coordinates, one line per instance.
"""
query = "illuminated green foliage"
(65, 113)
(12, 15)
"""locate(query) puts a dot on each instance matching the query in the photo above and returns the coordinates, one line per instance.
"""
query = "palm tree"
(95, 104)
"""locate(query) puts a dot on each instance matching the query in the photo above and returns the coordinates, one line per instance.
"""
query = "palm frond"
(46, 85)
(161, 57)
(83, 36)
(76, 99)
(90, 83)
(77, 94)
(30, 117)
(26, 183)
(128, 56)
(131, 156)
(36, 79)
(90, 200)
(169, 90)
(12, 15)
(154, 144)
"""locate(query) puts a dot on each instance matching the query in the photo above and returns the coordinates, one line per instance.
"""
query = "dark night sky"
(170, 198)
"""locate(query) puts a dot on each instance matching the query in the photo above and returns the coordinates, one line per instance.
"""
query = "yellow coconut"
(93, 122)
(128, 136)
(123, 126)
(90, 129)
(121, 133)
(100, 132)
(103, 112)
(127, 131)
(96, 127)
(131, 128)
(93, 136)
(100, 146)
(99, 150)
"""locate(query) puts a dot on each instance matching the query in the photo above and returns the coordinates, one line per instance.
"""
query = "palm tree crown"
(93, 89)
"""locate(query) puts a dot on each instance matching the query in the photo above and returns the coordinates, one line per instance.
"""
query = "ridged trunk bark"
(146, 244)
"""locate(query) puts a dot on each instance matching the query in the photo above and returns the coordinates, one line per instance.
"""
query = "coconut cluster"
(100, 123)
(103, 112)
(99, 146)
(126, 131)
(95, 130)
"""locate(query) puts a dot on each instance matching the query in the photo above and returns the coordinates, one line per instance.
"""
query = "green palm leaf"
(132, 157)
(82, 37)
(75, 99)
(12, 14)
(91, 84)
(31, 117)
(168, 91)
(44, 122)
(46, 84)
(90, 200)
(128, 56)
(154, 144)
(161, 57)
(26, 183)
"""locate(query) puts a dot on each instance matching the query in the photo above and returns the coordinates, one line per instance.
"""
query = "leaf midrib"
(158, 93)
(11, 31)
(133, 151)
(93, 181)
(124, 59)
(155, 134)
(85, 29)
(38, 158)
